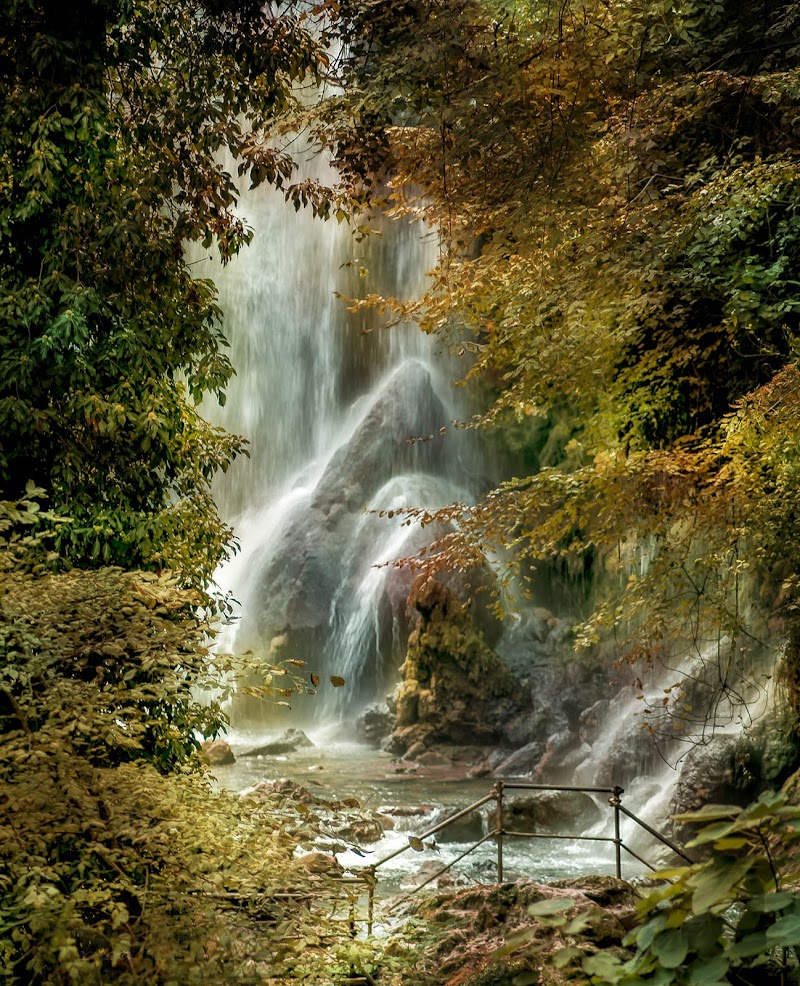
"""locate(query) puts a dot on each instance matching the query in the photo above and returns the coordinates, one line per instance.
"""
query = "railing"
(369, 874)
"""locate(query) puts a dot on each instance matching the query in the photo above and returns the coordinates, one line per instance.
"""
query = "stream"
(335, 768)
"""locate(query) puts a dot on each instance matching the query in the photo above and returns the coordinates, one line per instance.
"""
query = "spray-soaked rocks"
(455, 688)
(548, 811)
(374, 724)
(327, 541)
(289, 742)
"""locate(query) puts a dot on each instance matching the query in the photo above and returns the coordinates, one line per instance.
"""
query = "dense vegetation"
(616, 189)
(115, 122)
(119, 862)
(615, 186)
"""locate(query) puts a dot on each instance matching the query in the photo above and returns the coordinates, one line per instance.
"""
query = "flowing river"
(417, 800)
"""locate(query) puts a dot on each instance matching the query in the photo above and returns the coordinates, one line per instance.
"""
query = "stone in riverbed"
(320, 862)
(414, 751)
(365, 829)
(549, 811)
(522, 762)
(291, 741)
(217, 753)
(374, 724)
(282, 788)
(469, 828)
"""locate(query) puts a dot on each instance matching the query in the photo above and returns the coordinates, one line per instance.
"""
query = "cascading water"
(344, 417)
(344, 420)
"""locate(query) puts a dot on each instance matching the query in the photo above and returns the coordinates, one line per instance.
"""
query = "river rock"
(411, 812)
(522, 762)
(414, 751)
(289, 742)
(432, 868)
(365, 829)
(548, 811)
(320, 862)
(282, 788)
(374, 724)
(468, 828)
(217, 753)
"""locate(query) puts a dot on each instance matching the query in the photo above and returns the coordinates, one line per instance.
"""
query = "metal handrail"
(369, 873)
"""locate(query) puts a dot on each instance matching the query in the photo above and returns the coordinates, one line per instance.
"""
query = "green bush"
(118, 862)
(733, 918)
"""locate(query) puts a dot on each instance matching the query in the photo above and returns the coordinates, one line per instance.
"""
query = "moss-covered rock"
(467, 927)
(455, 688)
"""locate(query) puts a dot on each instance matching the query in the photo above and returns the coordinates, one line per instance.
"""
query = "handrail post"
(372, 879)
(614, 801)
(497, 790)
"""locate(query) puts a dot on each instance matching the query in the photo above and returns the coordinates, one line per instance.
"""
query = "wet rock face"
(374, 724)
(734, 769)
(522, 762)
(308, 564)
(455, 688)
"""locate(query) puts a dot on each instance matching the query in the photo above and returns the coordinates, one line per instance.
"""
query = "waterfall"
(344, 417)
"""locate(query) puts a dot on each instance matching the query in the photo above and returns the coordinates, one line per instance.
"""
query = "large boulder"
(455, 688)
(325, 541)
(217, 753)
(735, 768)
(289, 742)
(374, 724)
(548, 811)
(522, 762)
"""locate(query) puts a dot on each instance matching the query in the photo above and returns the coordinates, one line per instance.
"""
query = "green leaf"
(563, 956)
(785, 931)
(708, 813)
(766, 903)
(514, 941)
(714, 882)
(644, 936)
(604, 965)
(707, 972)
(750, 945)
(670, 947)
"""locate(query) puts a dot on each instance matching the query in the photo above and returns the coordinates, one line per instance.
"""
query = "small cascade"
(642, 738)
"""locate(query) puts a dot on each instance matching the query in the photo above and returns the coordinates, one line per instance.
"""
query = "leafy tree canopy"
(120, 119)
(615, 186)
